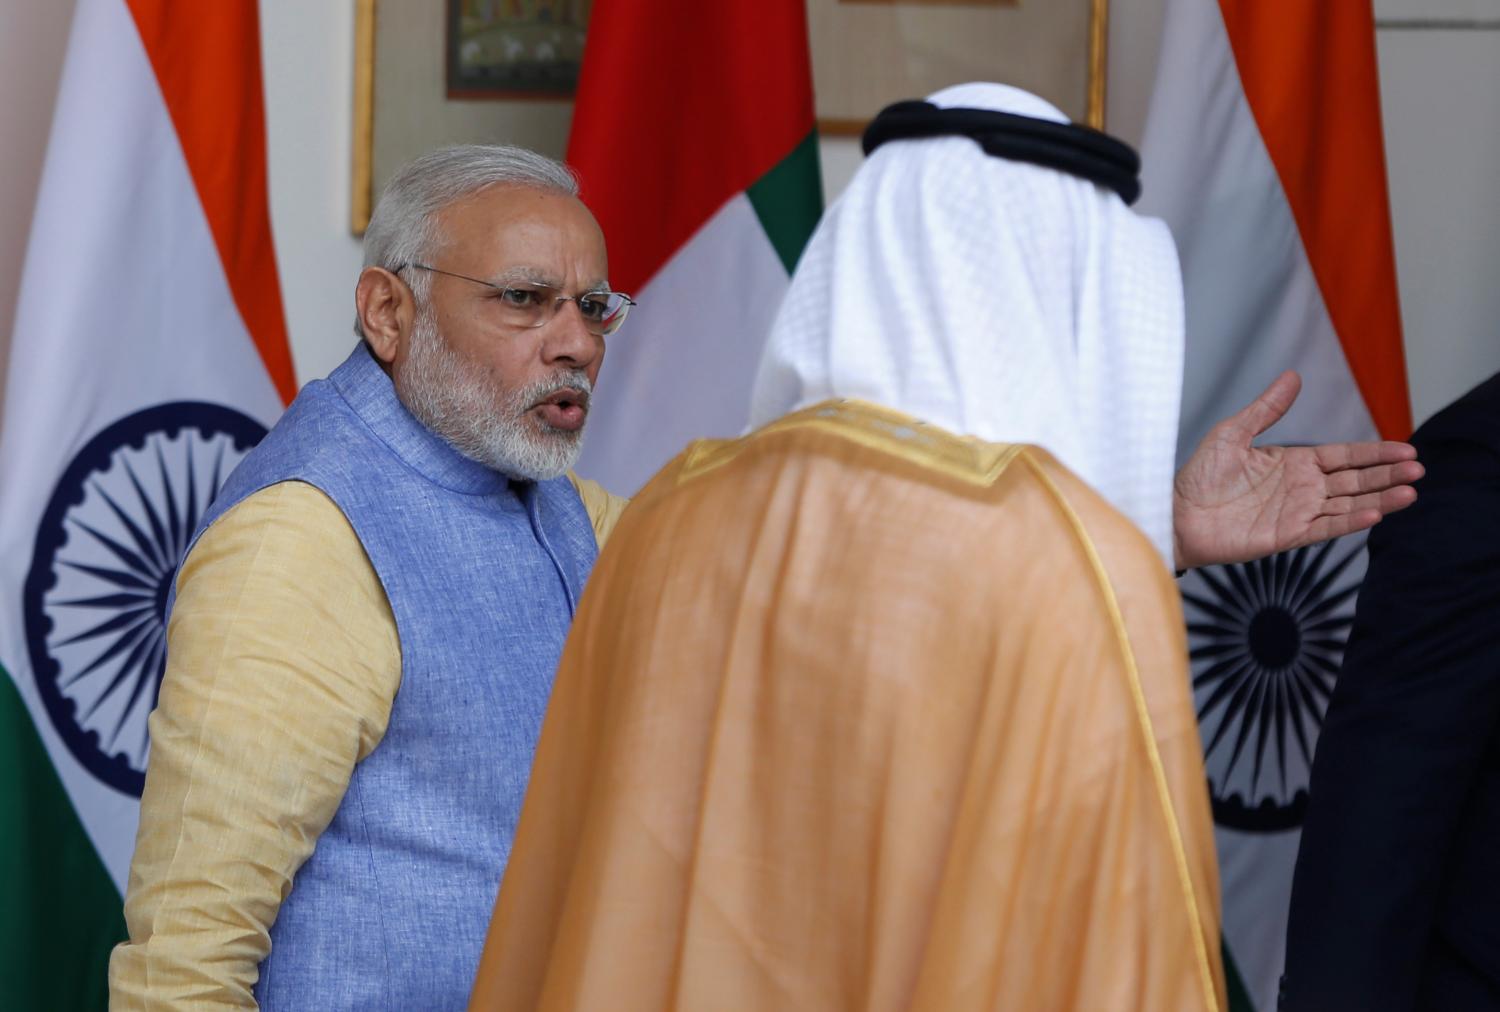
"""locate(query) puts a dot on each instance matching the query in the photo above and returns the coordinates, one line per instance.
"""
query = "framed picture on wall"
(515, 48)
(867, 54)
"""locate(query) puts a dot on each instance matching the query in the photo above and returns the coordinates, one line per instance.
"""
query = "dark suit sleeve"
(1409, 724)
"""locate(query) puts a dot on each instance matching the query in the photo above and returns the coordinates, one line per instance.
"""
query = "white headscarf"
(996, 299)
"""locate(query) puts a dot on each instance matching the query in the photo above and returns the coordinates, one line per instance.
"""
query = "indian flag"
(694, 140)
(149, 354)
(1264, 153)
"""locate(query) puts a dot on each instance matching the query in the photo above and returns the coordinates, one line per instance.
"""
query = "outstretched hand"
(1233, 501)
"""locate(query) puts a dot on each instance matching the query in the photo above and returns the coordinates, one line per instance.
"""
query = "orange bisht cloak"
(857, 714)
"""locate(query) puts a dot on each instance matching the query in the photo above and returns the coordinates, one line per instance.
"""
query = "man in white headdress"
(885, 705)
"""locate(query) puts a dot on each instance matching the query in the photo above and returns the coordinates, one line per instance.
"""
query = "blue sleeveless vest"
(482, 573)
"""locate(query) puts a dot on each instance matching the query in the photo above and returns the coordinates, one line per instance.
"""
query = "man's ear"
(386, 309)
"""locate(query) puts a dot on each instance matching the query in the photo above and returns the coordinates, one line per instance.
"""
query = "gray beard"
(453, 398)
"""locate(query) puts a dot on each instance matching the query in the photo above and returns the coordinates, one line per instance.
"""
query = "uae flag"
(694, 141)
(1263, 152)
(148, 355)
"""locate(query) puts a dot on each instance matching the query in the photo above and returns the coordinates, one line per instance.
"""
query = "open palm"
(1233, 501)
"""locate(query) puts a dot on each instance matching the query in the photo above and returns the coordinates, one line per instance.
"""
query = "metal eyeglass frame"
(617, 320)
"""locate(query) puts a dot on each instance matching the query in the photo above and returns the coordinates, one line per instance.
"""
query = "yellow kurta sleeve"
(283, 662)
(603, 507)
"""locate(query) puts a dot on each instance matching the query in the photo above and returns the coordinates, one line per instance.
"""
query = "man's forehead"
(525, 234)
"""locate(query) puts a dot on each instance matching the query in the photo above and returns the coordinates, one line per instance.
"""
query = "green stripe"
(1239, 998)
(789, 199)
(60, 912)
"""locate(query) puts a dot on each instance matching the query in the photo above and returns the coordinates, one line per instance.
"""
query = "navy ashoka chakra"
(1267, 639)
(106, 553)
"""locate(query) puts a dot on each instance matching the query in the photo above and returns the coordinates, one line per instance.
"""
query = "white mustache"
(572, 382)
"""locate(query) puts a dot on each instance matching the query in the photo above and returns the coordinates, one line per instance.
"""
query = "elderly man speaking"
(886, 705)
(365, 630)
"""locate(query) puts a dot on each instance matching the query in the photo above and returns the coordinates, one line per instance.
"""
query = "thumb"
(1271, 406)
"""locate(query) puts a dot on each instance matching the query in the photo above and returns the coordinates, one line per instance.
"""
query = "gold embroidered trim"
(962, 458)
(1143, 718)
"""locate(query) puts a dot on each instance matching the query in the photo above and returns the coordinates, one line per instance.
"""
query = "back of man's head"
(403, 228)
(995, 297)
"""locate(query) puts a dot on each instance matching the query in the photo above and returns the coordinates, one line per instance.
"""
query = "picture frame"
(515, 48)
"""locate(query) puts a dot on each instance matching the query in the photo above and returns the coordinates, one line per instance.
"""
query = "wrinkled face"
(513, 398)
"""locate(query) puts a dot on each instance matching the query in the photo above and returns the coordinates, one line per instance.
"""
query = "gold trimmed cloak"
(858, 714)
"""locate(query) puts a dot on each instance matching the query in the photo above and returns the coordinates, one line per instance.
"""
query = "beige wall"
(1442, 135)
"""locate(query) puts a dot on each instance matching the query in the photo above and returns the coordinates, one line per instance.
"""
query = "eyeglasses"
(527, 305)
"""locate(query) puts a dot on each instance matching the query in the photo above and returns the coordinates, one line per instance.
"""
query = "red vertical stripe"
(1309, 72)
(682, 104)
(207, 60)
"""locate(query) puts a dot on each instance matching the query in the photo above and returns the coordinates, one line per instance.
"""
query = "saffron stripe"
(207, 62)
(1309, 74)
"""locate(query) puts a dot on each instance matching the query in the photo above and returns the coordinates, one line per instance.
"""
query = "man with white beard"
(410, 523)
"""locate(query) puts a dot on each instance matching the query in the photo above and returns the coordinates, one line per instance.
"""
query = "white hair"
(403, 228)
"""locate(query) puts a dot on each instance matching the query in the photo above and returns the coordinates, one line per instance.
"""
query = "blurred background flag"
(1264, 153)
(693, 135)
(149, 354)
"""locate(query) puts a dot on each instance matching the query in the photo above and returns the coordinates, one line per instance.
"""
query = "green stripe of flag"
(789, 199)
(60, 913)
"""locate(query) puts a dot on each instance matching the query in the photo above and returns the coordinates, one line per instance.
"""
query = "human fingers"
(1358, 480)
(1270, 407)
(1383, 502)
(1341, 456)
(1326, 528)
